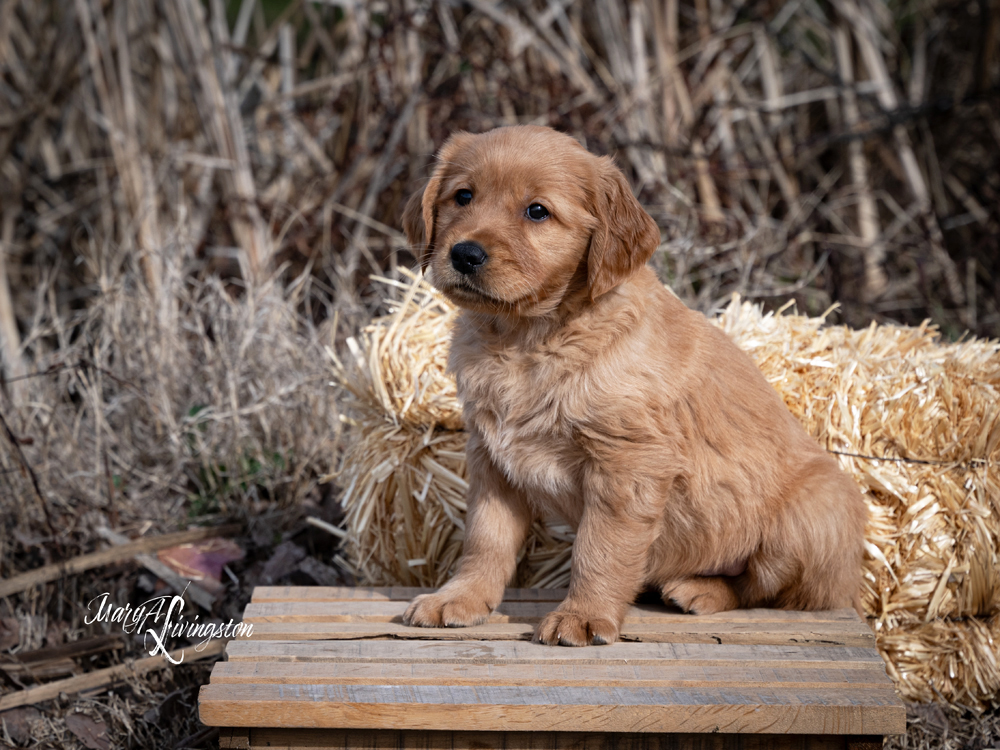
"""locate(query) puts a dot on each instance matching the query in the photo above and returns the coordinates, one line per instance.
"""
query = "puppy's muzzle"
(467, 257)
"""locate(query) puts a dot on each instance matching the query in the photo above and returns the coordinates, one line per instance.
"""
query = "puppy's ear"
(413, 225)
(625, 236)
(420, 213)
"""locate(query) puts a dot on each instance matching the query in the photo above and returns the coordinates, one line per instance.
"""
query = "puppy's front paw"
(575, 629)
(444, 610)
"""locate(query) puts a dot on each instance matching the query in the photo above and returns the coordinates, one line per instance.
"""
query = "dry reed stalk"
(220, 111)
(11, 362)
(875, 279)
(866, 36)
(915, 421)
(116, 96)
(234, 143)
(706, 186)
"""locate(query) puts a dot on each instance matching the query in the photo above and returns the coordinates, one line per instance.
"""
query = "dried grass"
(137, 427)
(938, 726)
(228, 412)
(916, 421)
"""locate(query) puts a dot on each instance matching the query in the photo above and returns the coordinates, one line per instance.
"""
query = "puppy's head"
(513, 219)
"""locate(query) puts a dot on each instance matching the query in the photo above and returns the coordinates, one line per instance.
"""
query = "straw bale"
(947, 661)
(934, 532)
(398, 368)
(915, 420)
(404, 471)
(404, 502)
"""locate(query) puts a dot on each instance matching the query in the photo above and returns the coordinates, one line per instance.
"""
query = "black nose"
(467, 257)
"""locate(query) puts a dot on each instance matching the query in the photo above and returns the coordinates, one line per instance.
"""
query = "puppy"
(591, 392)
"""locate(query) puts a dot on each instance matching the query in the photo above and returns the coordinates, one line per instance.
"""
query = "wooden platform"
(335, 667)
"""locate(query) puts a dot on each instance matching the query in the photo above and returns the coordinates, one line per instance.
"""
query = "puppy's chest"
(524, 417)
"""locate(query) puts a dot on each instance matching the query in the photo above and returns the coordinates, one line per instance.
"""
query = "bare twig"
(26, 468)
(47, 573)
(164, 572)
(102, 677)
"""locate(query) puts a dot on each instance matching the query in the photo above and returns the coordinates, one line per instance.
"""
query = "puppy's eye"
(463, 197)
(537, 212)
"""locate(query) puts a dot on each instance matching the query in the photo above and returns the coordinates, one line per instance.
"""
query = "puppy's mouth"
(465, 290)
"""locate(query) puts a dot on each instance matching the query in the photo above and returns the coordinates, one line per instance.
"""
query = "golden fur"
(592, 393)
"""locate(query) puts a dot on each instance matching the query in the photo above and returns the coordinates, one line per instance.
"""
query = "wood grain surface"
(340, 658)
(355, 619)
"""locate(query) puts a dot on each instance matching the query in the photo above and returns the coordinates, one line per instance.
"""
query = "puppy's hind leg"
(701, 595)
(810, 557)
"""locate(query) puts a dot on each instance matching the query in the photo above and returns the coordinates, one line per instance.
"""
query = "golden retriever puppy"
(591, 392)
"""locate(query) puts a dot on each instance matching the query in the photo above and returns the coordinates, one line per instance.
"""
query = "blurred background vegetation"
(194, 194)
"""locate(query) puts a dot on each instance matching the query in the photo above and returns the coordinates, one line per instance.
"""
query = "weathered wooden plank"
(690, 631)
(381, 593)
(387, 739)
(374, 597)
(340, 658)
(388, 611)
(548, 675)
(504, 708)
(509, 652)
(321, 631)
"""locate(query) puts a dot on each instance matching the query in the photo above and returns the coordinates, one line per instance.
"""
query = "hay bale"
(931, 410)
(403, 472)
(399, 365)
(945, 661)
(916, 422)
(404, 469)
